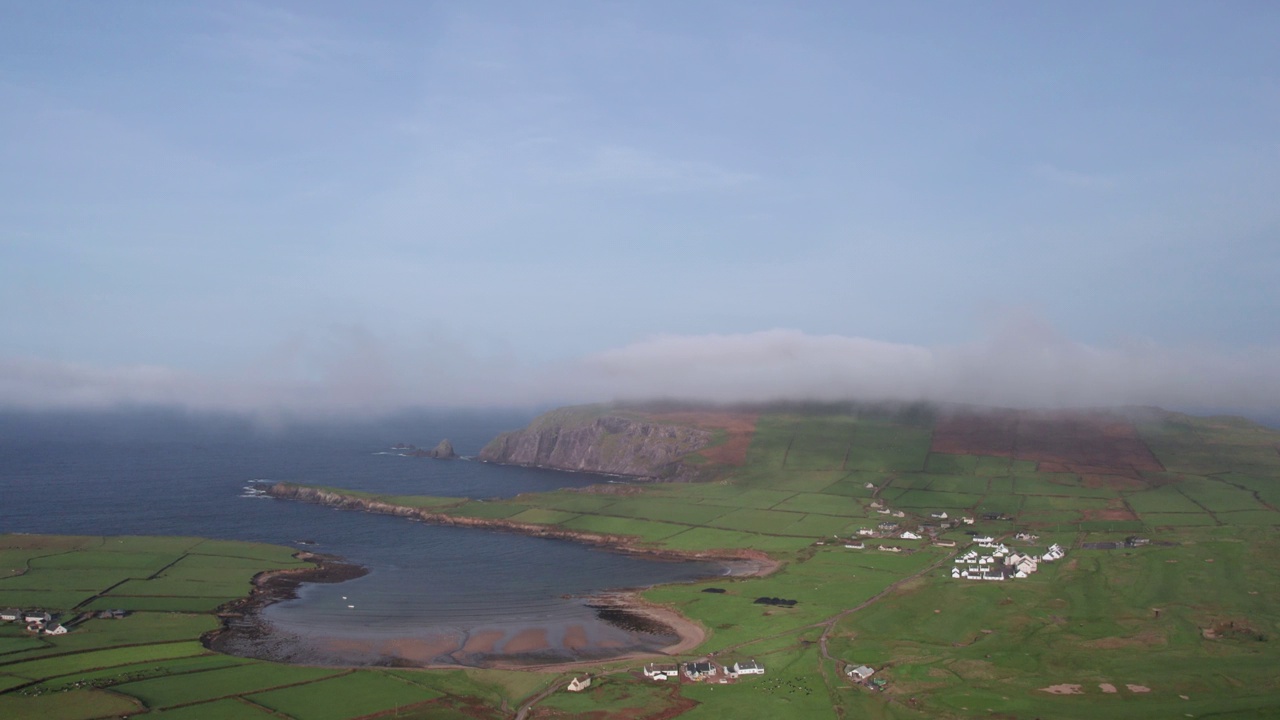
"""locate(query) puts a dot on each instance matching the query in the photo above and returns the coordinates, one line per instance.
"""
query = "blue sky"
(329, 206)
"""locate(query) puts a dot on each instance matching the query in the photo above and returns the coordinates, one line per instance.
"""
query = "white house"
(579, 684)
(10, 615)
(36, 617)
(908, 535)
(750, 667)
(654, 671)
(941, 515)
(860, 673)
(56, 629)
(699, 669)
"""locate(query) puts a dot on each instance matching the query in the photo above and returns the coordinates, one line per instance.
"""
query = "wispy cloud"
(628, 165)
(277, 44)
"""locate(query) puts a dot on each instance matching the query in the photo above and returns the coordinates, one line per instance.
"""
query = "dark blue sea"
(432, 595)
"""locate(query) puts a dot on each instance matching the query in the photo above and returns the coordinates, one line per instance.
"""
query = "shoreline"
(760, 564)
(274, 586)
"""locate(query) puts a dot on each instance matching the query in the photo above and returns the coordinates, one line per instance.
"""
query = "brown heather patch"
(1146, 639)
(739, 426)
(1083, 443)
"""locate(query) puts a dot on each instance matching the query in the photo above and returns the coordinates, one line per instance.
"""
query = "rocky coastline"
(743, 562)
(240, 617)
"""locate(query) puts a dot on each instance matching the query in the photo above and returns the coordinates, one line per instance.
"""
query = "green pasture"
(44, 668)
(667, 510)
(960, 484)
(346, 696)
(488, 509)
(212, 684)
(1216, 496)
(542, 516)
(930, 500)
(110, 677)
(229, 709)
(613, 694)
(644, 529)
(808, 482)
(946, 464)
(838, 505)
(1167, 499)
(75, 705)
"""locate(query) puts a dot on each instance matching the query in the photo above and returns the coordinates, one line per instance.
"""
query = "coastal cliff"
(596, 439)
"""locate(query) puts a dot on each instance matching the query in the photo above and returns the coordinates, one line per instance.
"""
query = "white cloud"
(351, 372)
(1022, 366)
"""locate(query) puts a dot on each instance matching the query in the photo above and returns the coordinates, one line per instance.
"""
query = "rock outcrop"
(443, 451)
(593, 439)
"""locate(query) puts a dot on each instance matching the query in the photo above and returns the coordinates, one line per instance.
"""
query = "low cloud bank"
(1023, 367)
(1027, 366)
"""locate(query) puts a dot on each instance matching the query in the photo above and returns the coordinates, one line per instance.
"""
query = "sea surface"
(433, 594)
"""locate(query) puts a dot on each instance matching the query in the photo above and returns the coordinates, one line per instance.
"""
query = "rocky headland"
(599, 440)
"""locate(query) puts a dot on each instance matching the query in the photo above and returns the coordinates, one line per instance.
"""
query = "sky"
(332, 207)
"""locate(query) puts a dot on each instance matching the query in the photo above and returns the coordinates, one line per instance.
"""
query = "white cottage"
(579, 684)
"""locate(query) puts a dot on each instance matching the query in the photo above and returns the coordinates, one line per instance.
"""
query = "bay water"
(433, 594)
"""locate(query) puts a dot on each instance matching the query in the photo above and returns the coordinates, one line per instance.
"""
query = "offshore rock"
(594, 439)
(443, 451)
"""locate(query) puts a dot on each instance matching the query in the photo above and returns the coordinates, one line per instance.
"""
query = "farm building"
(579, 684)
(860, 673)
(10, 615)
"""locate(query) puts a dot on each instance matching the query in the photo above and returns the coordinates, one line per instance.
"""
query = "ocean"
(432, 595)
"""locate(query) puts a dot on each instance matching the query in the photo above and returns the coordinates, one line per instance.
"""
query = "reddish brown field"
(1084, 443)
(739, 426)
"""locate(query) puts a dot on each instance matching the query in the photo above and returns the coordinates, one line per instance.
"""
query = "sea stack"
(443, 451)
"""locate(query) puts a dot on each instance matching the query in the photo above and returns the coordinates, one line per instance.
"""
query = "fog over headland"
(1024, 364)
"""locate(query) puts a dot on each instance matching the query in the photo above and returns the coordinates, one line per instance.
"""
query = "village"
(1000, 563)
(40, 622)
(705, 670)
